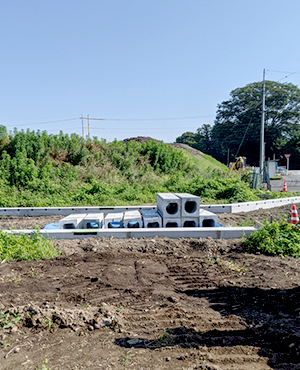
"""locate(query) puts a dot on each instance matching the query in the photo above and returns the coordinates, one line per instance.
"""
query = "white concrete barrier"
(65, 211)
(215, 208)
(181, 232)
(249, 206)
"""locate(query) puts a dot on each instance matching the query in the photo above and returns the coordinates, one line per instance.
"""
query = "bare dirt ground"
(151, 304)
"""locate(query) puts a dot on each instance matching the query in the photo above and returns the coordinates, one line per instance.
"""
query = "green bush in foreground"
(275, 239)
(25, 247)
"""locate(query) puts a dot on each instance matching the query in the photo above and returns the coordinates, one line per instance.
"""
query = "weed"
(8, 319)
(233, 266)
(162, 337)
(275, 239)
(127, 357)
(32, 272)
(44, 367)
(119, 309)
(227, 265)
(22, 247)
(5, 344)
(49, 323)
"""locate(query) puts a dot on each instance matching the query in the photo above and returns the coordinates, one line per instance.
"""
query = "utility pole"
(82, 126)
(262, 129)
(88, 122)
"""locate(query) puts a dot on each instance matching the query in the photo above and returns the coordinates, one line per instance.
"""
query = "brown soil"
(151, 304)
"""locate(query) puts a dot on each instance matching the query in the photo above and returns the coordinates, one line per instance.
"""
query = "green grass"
(8, 319)
(25, 247)
(275, 239)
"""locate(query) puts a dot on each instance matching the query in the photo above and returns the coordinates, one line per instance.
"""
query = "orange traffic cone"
(284, 186)
(294, 215)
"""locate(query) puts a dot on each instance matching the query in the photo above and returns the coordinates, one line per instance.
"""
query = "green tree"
(200, 140)
(238, 121)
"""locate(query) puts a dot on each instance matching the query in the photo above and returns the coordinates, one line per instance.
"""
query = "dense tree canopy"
(238, 121)
(201, 140)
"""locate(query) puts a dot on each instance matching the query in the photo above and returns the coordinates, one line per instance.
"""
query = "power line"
(147, 119)
(44, 123)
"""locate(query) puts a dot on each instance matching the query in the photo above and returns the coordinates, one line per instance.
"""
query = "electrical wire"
(147, 119)
(44, 123)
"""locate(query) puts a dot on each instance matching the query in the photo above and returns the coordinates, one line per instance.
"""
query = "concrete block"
(172, 222)
(207, 219)
(190, 204)
(190, 221)
(113, 220)
(93, 221)
(151, 219)
(168, 205)
(132, 220)
(73, 221)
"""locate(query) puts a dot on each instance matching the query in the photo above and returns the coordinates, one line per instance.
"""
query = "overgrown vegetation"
(25, 247)
(275, 239)
(37, 169)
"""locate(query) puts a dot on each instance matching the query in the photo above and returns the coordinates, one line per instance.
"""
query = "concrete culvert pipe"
(69, 226)
(190, 206)
(171, 224)
(172, 208)
(152, 225)
(133, 225)
(189, 224)
(208, 223)
(114, 225)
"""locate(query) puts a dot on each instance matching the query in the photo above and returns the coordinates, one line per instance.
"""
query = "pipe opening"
(208, 223)
(189, 224)
(171, 224)
(190, 206)
(152, 225)
(172, 208)
(68, 226)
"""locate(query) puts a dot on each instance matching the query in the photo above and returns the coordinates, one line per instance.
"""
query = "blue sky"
(153, 68)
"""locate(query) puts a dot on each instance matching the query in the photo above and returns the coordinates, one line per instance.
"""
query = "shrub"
(275, 239)
(25, 247)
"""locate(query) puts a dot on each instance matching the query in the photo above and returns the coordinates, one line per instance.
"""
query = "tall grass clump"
(25, 247)
(275, 239)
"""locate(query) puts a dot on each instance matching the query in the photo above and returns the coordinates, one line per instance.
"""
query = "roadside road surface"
(292, 179)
